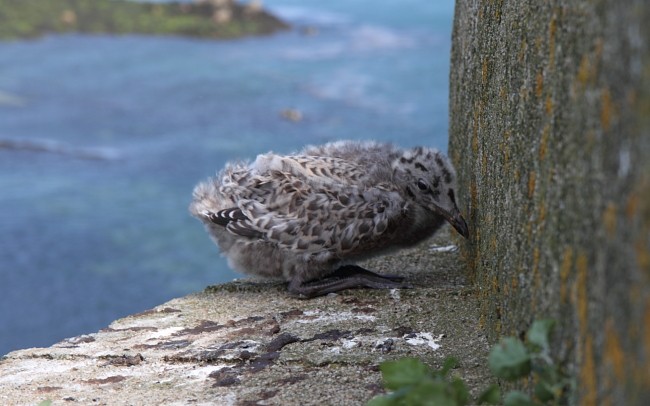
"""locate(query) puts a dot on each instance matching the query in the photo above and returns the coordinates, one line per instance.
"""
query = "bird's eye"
(422, 185)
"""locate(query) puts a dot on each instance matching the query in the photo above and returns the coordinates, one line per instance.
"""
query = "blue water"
(85, 241)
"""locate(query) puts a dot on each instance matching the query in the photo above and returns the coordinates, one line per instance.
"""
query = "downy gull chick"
(308, 217)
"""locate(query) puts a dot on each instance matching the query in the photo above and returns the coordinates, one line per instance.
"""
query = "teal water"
(100, 229)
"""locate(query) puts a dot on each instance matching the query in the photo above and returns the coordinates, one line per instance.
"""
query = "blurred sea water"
(99, 228)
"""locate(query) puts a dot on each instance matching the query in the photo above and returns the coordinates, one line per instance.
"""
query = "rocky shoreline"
(215, 19)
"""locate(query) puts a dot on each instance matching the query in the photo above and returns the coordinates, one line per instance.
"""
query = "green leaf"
(544, 391)
(449, 364)
(517, 398)
(403, 372)
(430, 393)
(509, 359)
(546, 372)
(491, 396)
(459, 391)
(45, 403)
(382, 400)
(540, 333)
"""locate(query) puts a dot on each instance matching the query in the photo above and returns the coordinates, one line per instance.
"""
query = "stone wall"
(550, 132)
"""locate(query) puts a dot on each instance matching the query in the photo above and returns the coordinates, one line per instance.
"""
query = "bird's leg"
(345, 277)
(350, 270)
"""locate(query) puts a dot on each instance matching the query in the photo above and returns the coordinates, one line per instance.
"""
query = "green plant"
(414, 383)
(513, 359)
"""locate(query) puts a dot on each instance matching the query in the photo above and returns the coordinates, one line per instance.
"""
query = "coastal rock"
(216, 19)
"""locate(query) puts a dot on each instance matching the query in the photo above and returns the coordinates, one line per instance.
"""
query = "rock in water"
(308, 217)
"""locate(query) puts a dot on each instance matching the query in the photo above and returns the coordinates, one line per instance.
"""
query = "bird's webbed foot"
(345, 277)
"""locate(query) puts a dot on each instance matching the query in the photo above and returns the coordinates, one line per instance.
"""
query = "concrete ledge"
(246, 343)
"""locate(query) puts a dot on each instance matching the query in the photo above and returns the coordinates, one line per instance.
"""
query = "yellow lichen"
(565, 271)
(598, 49)
(537, 279)
(552, 28)
(642, 254)
(497, 11)
(606, 108)
(613, 351)
(584, 71)
(582, 299)
(636, 368)
(539, 84)
(588, 381)
(543, 144)
(522, 51)
(646, 334)
(485, 70)
(473, 193)
(609, 219)
(587, 69)
(531, 184)
(631, 207)
(506, 150)
(536, 255)
(549, 105)
(475, 128)
(503, 94)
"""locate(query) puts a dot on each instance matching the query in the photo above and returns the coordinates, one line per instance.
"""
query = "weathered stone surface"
(246, 343)
(550, 132)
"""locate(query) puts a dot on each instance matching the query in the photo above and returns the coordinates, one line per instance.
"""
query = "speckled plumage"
(301, 217)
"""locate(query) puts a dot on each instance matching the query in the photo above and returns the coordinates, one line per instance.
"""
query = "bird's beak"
(457, 221)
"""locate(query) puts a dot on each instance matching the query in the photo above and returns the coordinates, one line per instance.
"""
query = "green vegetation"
(513, 360)
(414, 383)
(32, 18)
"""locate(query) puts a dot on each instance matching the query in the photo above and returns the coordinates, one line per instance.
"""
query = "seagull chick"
(307, 218)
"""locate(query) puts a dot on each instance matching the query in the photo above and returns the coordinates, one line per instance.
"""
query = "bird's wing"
(314, 169)
(311, 214)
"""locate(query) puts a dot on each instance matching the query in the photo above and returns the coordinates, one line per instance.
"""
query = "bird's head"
(429, 180)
